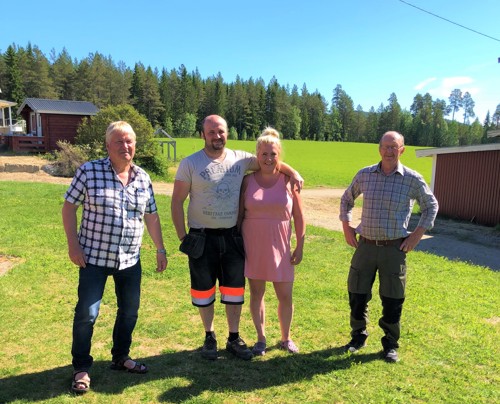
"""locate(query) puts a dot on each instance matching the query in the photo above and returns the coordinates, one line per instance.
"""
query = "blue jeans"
(90, 290)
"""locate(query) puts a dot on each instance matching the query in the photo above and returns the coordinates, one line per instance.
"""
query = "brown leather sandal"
(82, 384)
(139, 368)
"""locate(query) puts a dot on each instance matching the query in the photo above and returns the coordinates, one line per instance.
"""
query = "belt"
(211, 231)
(382, 243)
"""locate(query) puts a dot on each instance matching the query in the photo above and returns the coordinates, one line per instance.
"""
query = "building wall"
(467, 186)
(59, 127)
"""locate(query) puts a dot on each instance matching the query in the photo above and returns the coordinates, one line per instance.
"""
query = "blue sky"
(371, 48)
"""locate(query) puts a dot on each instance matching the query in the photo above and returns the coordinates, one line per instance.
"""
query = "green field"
(449, 343)
(329, 164)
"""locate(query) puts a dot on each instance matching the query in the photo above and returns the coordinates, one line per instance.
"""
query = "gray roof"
(44, 106)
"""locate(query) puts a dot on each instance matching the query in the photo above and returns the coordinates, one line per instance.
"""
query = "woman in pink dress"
(268, 204)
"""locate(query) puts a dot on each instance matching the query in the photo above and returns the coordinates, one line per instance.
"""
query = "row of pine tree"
(177, 100)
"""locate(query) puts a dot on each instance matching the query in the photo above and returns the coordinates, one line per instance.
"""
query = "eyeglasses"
(391, 148)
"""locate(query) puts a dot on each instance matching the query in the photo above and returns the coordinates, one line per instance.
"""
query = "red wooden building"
(53, 120)
(466, 182)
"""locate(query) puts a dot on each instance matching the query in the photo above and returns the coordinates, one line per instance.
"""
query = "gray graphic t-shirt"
(215, 187)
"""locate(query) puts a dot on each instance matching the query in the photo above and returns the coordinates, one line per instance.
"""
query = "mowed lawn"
(450, 326)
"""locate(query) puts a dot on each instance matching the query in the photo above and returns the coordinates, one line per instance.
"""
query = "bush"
(147, 152)
(68, 158)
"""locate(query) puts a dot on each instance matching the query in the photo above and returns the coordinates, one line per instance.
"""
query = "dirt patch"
(455, 240)
(7, 263)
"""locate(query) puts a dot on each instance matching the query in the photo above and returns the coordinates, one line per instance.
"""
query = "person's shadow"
(225, 374)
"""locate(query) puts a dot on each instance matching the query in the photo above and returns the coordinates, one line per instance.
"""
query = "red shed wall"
(467, 186)
(59, 127)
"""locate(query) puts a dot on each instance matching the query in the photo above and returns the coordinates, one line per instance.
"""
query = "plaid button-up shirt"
(388, 202)
(112, 223)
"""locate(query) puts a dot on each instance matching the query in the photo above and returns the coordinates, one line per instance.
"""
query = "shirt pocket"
(137, 199)
(101, 199)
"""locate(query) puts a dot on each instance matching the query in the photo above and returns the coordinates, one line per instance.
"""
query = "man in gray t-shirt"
(212, 179)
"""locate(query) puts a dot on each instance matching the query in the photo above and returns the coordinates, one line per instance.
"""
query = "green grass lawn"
(449, 344)
(329, 164)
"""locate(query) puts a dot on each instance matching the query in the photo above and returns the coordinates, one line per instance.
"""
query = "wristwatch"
(162, 251)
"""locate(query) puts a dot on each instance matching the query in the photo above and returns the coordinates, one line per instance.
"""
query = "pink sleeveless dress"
(266, 231)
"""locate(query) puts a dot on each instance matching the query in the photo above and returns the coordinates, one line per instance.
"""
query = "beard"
(218, 144)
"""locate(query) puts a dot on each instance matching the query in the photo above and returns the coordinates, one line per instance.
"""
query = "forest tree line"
(177, 100)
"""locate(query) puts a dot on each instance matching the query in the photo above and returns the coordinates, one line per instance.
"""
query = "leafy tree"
(317, 112)
(439, 125)
(138, 77)
(358, 128)
(3, 72)
(304, 113)
(63, 75)
(145, 94)
(422, 122)
(168, 126)
(120, 80)
(291, 124)
(294, 96)
(390, 116)
(238, 107)
(99, 72)
(214, 98)
(456, 102)
(14, 90)
(372, 135)
(233, 133)
(453, 133)
(417, 105)
(45, 85)
(256, 96)
(245, 136)
(496, 116)
(468, 104)
(83, 86)
(150, 98)
(275, 104)
(470, 134)
(335, 124)
(345, 107)
(148, 153)
(186, 125)
(186, 97)
(168, 87)
(406, 123)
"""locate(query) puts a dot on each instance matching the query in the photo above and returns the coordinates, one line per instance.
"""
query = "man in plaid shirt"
(117, 198)
(389, 191)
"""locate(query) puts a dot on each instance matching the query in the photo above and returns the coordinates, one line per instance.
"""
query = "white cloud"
(444, 88)
(456, 82)
(424, 83)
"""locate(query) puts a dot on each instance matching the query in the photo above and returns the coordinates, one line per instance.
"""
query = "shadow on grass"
(194, 375)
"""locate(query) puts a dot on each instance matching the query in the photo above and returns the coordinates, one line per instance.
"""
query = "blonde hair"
(119, 126)
(268, 136)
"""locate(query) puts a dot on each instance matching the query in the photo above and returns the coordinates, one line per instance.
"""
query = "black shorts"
(215, 254)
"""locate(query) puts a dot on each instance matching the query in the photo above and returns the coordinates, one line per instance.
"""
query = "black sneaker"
(239, 349)
(354, 346)
(209, 349)
(391, 355)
